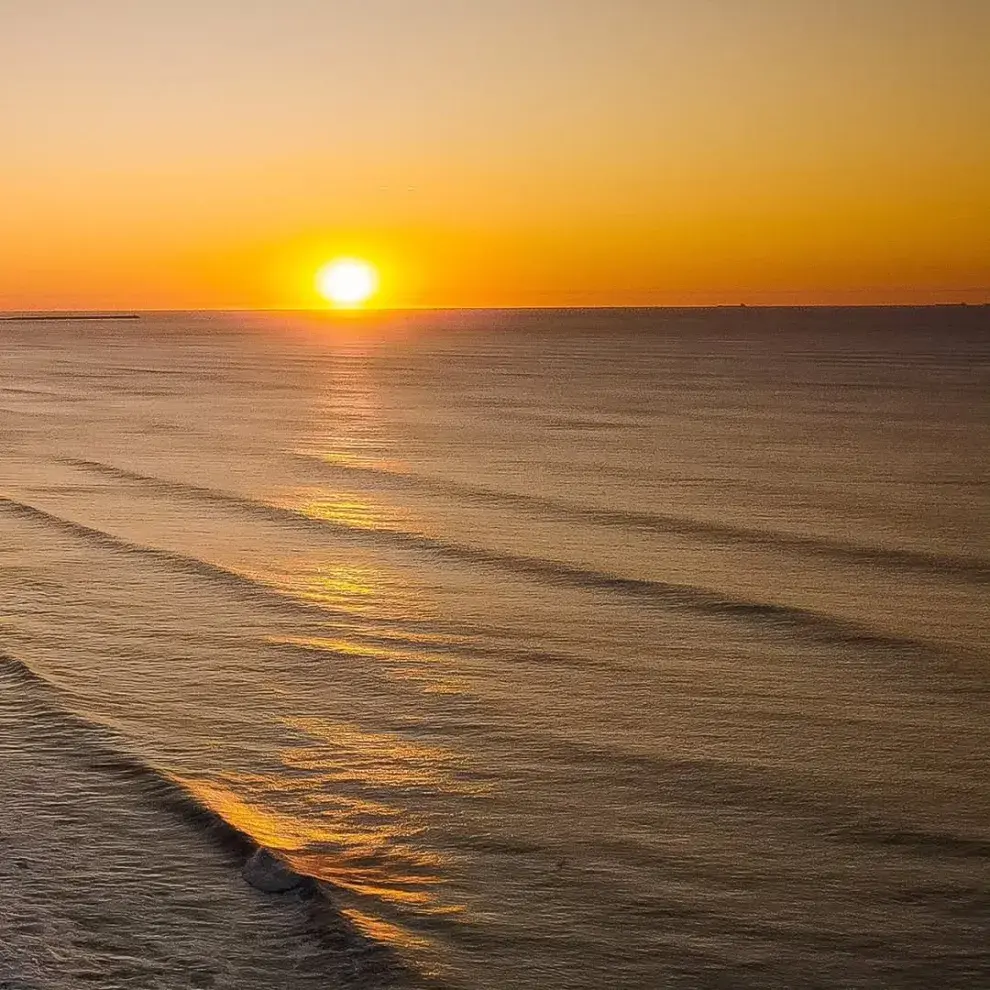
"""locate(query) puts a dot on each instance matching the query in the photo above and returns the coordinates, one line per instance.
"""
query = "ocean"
(555, 650)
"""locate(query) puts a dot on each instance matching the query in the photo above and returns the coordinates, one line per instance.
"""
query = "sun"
(347, 282)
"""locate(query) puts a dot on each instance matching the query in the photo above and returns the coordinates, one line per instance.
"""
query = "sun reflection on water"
(383, 931)
(346, 805)
(348, 808)
(345, 509)
(360, 590)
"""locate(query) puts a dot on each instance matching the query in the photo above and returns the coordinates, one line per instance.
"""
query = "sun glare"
(347, 282)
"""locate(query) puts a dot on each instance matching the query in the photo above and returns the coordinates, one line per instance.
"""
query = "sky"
(214, 153)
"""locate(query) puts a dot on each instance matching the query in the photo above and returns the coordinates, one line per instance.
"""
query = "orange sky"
(213, 153)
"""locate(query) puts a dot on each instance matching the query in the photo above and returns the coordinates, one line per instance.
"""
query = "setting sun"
(347, 282)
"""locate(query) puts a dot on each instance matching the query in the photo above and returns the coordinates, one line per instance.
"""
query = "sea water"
(559, 649)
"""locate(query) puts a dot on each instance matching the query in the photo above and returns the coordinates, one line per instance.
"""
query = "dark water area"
(557, 649)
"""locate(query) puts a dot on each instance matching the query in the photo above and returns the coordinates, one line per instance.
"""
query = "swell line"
(968, 566)
(692, 781)
(17, 671)
(106, 752)
(89, 743)
(972, 567)
(668, 594)
(190, 564)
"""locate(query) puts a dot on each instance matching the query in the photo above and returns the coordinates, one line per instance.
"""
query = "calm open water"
(625, 649)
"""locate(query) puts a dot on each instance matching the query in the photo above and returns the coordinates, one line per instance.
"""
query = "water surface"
(563, 649)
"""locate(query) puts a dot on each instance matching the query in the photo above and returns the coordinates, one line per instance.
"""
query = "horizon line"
(13, 314)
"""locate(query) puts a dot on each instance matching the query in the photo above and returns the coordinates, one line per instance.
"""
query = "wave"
(190, 564)
(923, 843)
(973, 568)
(696, 782)
(695, 598)
(99, 748)
(20, 672)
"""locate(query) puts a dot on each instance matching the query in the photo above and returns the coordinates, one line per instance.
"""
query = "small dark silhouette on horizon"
(39, 318)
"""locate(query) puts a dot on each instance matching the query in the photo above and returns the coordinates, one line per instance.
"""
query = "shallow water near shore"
(560, 649)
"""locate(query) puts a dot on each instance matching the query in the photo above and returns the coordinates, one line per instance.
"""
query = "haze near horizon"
(217, 154)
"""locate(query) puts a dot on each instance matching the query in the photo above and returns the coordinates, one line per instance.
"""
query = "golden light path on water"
(340, 807)
(344, 805)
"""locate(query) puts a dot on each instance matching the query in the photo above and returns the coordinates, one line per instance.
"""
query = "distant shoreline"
(37, 318)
